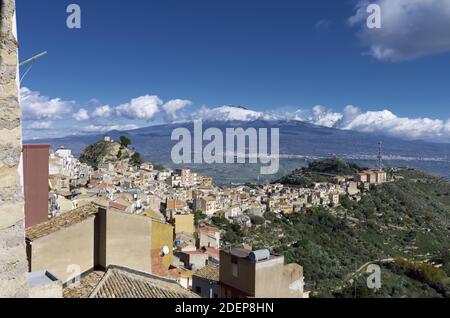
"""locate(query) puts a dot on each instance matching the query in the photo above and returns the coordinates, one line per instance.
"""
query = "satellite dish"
(165, 250)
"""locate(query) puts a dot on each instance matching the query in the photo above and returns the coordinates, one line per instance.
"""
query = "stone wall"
(13, 262)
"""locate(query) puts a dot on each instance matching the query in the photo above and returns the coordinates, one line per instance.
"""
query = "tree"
(198, 216)
(124, 141)
(257, 220)
(135, 159)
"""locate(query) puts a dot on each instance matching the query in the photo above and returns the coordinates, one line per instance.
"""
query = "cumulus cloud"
(39, 125)
(382, 122)
(386, 122)
(102, 111)
(172, 107)
(81, 115)
(105, 128)
(410, 28)
(36, 106)
(230, 113)
(143, 107)
(323, 116)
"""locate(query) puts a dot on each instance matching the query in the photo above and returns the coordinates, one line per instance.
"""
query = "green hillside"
(319, 171)
(407, 219)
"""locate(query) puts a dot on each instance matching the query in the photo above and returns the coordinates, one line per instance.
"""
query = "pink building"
(35, 180)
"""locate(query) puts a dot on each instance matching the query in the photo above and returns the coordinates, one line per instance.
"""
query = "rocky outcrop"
(13, 261)
(102, 152)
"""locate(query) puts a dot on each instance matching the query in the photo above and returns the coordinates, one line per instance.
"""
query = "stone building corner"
(13, 261)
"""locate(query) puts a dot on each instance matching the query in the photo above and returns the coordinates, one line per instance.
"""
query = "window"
(234, 270)
(234, 266)
(198, 289)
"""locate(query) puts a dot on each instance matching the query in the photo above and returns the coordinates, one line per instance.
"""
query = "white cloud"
(81, 115)
(410, 28)
(173, 106)
(143, 107)
(324, 117)
(386, 122)
(382, 122)
(351, 118)
(38, 125)
(230, 113)
(105, 128)
(36, 106)
(102, 111)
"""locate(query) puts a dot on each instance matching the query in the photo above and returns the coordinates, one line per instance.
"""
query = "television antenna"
(30, 61)
(380, 155)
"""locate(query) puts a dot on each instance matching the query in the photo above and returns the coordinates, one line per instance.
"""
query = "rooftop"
(117, 206)
(62, 221)
(121, 282)
(86, 286)
(238, 252)
(209, 272)
(209, 229)
(213, 252)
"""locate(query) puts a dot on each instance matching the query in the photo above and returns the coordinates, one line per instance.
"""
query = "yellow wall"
(184, 223)
(128, 238)
(162, 235)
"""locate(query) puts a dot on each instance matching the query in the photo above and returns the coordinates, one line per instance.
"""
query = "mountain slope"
(299, 141)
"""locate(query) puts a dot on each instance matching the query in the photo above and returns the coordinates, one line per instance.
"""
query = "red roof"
(117, 205)
(212, 252)
(209, 229)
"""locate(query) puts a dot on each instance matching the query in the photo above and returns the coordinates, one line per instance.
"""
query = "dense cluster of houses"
(165, 215)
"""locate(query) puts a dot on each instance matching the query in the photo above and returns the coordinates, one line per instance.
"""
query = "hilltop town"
(120, 216)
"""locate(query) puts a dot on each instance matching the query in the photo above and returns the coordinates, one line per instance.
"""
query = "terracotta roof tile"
(121, 282)
(62, 221)
(209, 272)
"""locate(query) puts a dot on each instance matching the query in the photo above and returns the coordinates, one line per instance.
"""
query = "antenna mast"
(30, 61)
(380, 156)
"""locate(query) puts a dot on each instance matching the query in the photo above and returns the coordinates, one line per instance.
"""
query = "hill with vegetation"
(402, 226)
(319, 171)
(104, 151)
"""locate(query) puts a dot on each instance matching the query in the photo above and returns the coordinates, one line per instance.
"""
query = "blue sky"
(270, 56)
